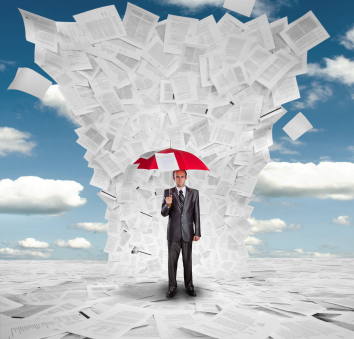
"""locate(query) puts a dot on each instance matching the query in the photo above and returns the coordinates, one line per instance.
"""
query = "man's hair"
(179, 170)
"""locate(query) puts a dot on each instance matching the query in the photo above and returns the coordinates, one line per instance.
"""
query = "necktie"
(181, 199)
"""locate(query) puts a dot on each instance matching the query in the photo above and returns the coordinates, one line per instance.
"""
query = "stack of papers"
(279, 298)
(136, 86)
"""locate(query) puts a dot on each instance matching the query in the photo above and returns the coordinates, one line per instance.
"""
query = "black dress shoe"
(191, 292)
(170, 294)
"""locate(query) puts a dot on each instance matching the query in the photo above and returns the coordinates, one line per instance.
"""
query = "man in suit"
(181, 204)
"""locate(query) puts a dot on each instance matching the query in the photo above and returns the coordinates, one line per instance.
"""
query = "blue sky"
(304, 205)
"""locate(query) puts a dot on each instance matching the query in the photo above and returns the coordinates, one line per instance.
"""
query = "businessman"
(181, 204)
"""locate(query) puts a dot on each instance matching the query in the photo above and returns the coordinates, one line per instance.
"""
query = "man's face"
(180, 178)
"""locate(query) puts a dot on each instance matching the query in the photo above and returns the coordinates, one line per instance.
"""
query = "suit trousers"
(174, 248)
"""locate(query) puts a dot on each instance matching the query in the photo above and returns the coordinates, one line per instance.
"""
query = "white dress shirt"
(183, 190)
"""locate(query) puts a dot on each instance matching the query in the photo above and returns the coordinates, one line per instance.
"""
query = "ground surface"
(282, 288)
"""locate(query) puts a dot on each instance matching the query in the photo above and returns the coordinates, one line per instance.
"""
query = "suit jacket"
(180, 223)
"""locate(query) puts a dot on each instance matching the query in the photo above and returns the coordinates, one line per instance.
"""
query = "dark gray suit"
(180, 232)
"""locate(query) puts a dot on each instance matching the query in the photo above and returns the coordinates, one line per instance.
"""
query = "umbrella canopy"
(185, 160)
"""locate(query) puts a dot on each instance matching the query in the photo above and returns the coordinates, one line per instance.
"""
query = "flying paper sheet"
(40, 31)
(304, 33)
(29, 81)
(101, 24)
(166, 162)
(243, 7)
(139, 25)
(297, 126)
(178, 30)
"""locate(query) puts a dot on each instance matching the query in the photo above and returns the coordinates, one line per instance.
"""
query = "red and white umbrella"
(170, 160)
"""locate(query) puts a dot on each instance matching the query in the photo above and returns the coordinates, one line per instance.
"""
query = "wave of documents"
(276, 299)
(136, 85)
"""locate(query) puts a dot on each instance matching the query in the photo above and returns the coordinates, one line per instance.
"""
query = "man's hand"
(169, 200)
(195, 238)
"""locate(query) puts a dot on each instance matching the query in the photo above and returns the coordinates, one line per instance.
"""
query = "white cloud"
(254, 241)
(340, 69)
(287, 204)
(328, 247)
(33, 243)
(12, 253)
(350, 148)
(5, 63)
(315, 130)
(279, 147)
(293, 142)
(270, 226)
(294, 227)
(315, 94)
(54, 99)
(342, 220)
(251, 249)
(91, 226)
(296, 253)
(303, 253)
(348, 39)
(193, 3)
(34, 195)
(333, 180)
(269, 7)
(13, 140)
(74, 243)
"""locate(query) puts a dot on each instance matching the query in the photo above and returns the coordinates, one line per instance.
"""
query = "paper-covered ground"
(277, 298)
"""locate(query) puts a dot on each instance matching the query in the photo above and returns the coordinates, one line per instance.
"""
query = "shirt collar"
(183, 190)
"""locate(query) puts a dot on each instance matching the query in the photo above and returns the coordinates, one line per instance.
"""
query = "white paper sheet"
(304, 33)
(184, 87)
(189, 59)
(240, 6)
(285, 90)
(139, 25)
(122, 47)
(164, 62)
(208, 33)
(233, 322)
(93, 140)
(259, 28)
(257, 61)
(29, 81)
(237, 45)
(297, 126)
(179, 29)
(71, 37)
(229, 24)
(8, 304)
(111, 323)
(45, 57)
(166, 162)
(277, 69)
(229, 77)
(30, 329)
(40, 31)
(74, 101)
(110, 102)
(101, 24)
